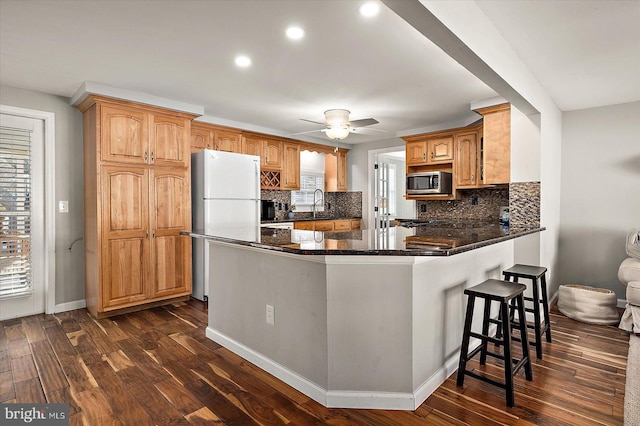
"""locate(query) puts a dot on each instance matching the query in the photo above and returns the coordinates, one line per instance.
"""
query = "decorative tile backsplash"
(473, 204)
(524, 204)
(337, 204)
(522, 198)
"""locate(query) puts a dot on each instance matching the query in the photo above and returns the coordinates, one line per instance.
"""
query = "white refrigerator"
(225, 193)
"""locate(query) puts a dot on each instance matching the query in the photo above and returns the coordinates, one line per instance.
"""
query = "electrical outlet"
(423, 208)
(63, 206)
(271, 312)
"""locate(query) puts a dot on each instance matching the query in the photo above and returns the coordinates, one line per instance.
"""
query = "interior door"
(22, 213)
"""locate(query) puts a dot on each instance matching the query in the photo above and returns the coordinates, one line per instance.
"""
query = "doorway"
(387, 177)
(25, 234)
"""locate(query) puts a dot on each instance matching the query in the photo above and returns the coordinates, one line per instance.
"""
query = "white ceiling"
(379, 67)
(584, 53)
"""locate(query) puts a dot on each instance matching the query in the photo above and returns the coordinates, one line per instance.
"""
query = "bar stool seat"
(503, 292)
(537, 276)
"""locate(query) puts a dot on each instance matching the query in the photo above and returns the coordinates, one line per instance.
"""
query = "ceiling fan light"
(337, 132)
(336, 117)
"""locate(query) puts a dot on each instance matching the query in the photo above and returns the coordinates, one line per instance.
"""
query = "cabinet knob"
(424, 156)
(153, 156)
(146, 156)
(432, 155)
(146, 234)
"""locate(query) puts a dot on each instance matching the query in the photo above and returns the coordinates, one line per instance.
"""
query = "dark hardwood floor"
(157, 367)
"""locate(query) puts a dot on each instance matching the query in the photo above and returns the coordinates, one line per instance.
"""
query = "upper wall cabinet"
(467, 167)
(433, 150)
(201, 137)
(269, 151)
(125, 135)
(229, 141)
(335, 173)
(496, 144)
(169, 140)
(131, 135)
(208, 136)
(291, 167)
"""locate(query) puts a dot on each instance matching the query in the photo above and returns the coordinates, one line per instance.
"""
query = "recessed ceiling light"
(243, 61)
(295, 33)
(369, 9)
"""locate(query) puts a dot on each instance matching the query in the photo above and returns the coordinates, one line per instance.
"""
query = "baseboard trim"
(339, 398)
(291, 378)
(70, 306)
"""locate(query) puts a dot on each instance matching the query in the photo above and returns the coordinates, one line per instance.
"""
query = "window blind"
(15, 212)
(309, 182)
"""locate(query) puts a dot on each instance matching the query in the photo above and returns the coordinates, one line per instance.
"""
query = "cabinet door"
(227, 141)
(124, 135)
(466, 171)
(170, 141)
(253, 146)
(273, 154)
(291, 166)
(496, 147)
(170, 213)
(416, 153)
(201, 138)
(125, 242)
(342, 171)
(324, 225)
(342, 225)
(440, 150)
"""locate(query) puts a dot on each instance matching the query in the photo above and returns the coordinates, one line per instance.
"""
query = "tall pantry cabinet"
(137, 199)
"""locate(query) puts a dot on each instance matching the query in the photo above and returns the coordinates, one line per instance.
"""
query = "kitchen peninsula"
(359, 319)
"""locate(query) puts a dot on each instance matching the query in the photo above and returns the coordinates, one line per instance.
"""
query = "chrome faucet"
(315, 202)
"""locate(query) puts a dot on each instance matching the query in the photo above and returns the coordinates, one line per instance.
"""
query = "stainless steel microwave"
(425, 183)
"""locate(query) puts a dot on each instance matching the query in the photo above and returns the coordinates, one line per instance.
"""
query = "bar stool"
(537, 275)
(503, 292)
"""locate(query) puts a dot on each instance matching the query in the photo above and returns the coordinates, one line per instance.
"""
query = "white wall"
(600, 193)
(68, 186)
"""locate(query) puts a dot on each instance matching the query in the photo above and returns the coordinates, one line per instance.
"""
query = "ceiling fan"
(337, 125)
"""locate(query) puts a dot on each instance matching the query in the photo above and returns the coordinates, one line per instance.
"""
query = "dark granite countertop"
(444, 238)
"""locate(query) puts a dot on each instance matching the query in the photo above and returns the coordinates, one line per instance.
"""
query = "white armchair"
(629, 275)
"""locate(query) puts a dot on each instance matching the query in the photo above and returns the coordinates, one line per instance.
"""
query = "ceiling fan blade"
(363, 122)
(306, 133)
(366, 130)
(314, 122)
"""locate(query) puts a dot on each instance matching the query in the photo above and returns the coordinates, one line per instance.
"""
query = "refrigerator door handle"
(257, 167)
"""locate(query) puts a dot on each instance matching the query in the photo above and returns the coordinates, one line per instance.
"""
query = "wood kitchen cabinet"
(225, 140)
(328, 225)
(495, 150)
(201, 138)
(467, 170)
(137, 136)
(335, 174)
(436, 150)
(137, 199)
(291, 166)
(208, 136)
(269, 151)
